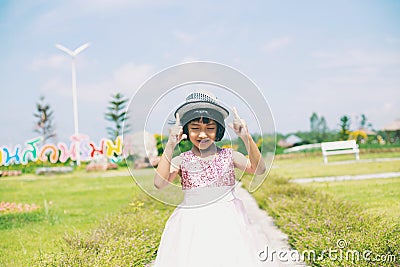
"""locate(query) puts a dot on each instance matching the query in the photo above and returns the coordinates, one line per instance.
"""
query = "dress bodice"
(216, 171)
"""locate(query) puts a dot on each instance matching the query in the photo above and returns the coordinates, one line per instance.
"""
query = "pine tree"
(117, 115)
(344, 127)
(44, 123)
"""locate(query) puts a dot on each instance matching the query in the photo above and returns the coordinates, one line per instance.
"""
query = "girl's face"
(202, 135)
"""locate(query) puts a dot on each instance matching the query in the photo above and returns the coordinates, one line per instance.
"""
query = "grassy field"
(363, 214)
(311, 165)
(377, 196)
(69, 203)
(89, 220)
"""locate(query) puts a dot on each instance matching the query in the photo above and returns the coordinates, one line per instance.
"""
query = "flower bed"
(11, 207)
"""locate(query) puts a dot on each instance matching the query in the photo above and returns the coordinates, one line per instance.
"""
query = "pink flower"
(11, 207)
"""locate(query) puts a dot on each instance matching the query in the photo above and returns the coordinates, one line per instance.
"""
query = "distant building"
(290, 141)
(393, 126)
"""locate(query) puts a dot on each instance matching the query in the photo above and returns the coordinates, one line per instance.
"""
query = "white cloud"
(189, 59)
(106, 5)
(95, 6)
(392, 40)
(125, 79)
(277, 43)
(56, 86)
(356, 58)
(185, 38)
(130, 76)
(58, 19)
(388, 106)
(58, 61)
(93, 97)
(382, 114)
(52, 62)
(77, 8)
(340, 94)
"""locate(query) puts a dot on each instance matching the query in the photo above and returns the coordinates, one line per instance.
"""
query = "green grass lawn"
(315, 220)
(377, 196)
(74, 202)
(311, 165)
(365, 213)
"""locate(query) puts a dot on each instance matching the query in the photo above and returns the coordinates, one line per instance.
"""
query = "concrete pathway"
(346, 177)
(362, 160)
(275, 240)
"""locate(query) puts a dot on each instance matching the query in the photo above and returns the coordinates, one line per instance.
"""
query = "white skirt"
(204, 232)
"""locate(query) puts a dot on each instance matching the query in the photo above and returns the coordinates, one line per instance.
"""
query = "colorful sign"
(33, 150)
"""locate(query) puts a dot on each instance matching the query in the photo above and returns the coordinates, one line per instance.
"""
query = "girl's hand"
(176, 133)
(239, 125)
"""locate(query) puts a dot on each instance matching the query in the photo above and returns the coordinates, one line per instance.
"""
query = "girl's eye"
(210, 128)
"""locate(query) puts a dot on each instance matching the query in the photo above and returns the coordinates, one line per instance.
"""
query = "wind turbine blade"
(66, 50)
(81, 48)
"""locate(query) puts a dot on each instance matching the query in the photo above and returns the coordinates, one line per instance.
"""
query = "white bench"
(339, 147)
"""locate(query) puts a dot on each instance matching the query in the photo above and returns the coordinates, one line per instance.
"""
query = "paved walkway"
(346, 177)
(275, 240)
(363, 160)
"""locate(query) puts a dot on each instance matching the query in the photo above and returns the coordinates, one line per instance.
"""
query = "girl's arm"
(168, 168)
(254, 164)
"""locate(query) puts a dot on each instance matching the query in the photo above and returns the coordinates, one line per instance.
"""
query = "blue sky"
(331, 57)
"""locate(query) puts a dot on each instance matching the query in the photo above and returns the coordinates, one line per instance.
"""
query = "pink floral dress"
(210, 227)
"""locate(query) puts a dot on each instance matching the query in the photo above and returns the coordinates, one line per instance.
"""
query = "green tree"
(117, 115)
(345, 122)
(161, 141)
(364, 124)
(44, 120)
(318, 128)
(314, 122)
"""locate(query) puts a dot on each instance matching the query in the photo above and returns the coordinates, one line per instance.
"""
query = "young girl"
(210, 227)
